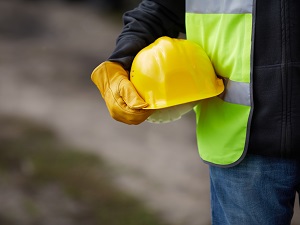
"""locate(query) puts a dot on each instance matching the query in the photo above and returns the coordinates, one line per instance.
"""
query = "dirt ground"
(48, 51)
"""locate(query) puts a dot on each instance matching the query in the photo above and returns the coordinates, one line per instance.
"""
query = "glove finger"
(130, 96)
(119, 110)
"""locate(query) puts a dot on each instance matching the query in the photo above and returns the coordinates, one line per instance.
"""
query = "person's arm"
(144, 24)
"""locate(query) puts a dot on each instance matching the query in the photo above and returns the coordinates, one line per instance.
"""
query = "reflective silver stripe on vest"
(236, 92)
(219, 6)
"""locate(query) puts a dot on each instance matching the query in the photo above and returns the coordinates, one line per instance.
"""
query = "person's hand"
(122, 100)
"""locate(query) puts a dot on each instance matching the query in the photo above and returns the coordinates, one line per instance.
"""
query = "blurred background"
(63, 160)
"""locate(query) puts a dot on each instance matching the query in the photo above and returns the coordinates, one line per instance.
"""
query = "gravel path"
(47, 54)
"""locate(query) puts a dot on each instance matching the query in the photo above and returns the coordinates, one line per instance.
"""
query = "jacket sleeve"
(144, 24)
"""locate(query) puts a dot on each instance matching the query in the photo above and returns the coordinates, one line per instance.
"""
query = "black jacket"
(275, 125)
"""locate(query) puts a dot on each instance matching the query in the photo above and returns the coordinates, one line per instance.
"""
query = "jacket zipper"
(285, 145)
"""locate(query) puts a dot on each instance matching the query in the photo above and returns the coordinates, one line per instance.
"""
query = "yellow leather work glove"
(122, 100)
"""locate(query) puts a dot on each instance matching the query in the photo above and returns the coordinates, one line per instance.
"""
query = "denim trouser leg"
(258, 191)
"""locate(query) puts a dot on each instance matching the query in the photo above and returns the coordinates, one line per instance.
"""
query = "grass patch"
(33, 158)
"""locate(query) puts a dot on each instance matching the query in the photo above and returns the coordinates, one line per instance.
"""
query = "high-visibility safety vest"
(224, 29)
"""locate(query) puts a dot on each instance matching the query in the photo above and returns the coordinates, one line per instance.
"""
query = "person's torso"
(275, 127)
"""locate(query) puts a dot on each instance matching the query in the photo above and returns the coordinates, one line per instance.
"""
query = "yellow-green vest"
(224, 29)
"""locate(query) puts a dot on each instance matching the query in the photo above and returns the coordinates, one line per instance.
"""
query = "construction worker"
(250, 135)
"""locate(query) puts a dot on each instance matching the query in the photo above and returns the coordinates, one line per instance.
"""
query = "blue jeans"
(258, 191)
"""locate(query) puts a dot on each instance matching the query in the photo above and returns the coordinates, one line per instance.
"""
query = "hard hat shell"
(173, 71)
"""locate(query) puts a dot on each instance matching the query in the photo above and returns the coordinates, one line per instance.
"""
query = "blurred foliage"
(32, 158)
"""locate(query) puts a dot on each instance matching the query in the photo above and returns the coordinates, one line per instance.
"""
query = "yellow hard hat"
(173, 71)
